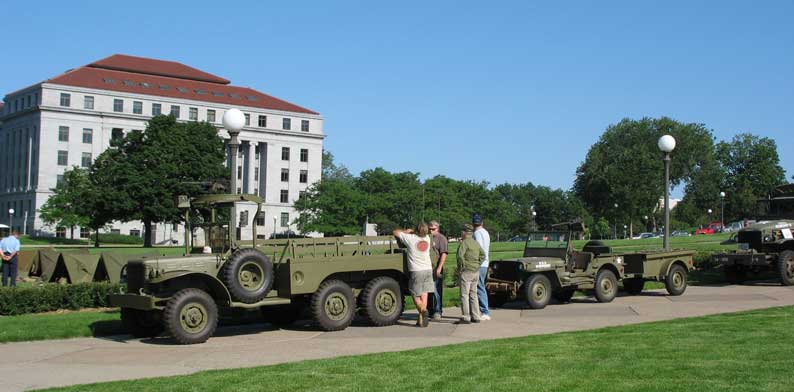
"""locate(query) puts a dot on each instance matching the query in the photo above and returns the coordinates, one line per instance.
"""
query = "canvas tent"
(25, 261)
(80, 267)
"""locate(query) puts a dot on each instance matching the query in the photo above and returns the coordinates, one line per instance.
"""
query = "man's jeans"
(10, 271)
(482, 295)
(437, 299)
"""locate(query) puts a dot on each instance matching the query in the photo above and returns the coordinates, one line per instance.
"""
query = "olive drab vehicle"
(551, 268)
(768, 244)
(330, 278)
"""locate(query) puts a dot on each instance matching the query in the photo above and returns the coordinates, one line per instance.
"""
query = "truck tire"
(248, 274)
(563, 296)
(333, 305)
(785, 266)
(142, 323)
(382, 301)
(191, 316)
(606, 286)
(280, 315)
(633, 286)
(676, 280)
(538, 291)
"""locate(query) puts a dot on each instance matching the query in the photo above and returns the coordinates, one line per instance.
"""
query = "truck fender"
(611, 267)
(216, 289)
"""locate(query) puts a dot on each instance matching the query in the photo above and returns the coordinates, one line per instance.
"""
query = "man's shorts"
(421, 282)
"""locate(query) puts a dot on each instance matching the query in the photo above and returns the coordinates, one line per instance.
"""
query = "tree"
(142, 174)
(331, 206)
(332, 171)
(63, 207)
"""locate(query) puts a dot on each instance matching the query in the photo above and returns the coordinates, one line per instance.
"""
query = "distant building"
(70, 119)
(673, 203)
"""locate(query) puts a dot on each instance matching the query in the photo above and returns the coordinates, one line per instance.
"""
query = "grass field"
(748, 351)
(59, 325)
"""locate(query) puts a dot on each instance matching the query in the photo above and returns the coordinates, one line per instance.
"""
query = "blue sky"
(495, 91)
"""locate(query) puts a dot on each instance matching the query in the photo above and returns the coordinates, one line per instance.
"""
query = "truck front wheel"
(786, 267)
(538, 291)
(142, 323)
(333, 305)
(676, 280)
(606, 286)
(191, 316)
(382, 301)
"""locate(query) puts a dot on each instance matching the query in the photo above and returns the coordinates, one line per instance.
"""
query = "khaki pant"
(468, 295)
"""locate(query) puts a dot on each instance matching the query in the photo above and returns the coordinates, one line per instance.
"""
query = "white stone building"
(68, 120)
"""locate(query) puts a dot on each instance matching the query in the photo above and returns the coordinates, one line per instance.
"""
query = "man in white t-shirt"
(420, 268)
(484, 239)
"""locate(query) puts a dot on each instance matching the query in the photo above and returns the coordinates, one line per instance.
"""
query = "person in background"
(420, 268)
(484, 239)
(470, 256)
(438, 256)
(10, 247)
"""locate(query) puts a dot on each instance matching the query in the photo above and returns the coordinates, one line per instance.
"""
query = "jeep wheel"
(248, 274)
(333, 305)
(191, 316)
(633, 286)
(676, 280)
(606, 286)
(564, 296)
(785, 267)
(280, 315)
(382, 301)
(142, 323)
(538, 291)
(735, 275)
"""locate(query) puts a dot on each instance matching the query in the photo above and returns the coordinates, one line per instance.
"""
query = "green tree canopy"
(63, 208)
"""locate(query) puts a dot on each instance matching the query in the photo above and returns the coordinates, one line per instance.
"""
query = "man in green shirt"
(470, 256)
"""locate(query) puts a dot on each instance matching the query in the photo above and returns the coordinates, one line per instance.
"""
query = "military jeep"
(328, 278)
(552, 268)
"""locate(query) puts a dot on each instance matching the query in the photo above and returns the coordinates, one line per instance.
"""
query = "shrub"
(50, 297)
(109, 238)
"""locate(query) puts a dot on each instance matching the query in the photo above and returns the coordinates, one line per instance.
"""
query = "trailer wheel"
(333, 305)
(279, 315)
(538, 291)
(785, 266)
(191, 316)
(248, 274)
(606, 286)
(676, 280)
(142, 323)
(563, 296)
(634, 286)
(735, 275)
(382, 301)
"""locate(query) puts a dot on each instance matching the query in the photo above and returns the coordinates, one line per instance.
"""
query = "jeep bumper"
(134, 301)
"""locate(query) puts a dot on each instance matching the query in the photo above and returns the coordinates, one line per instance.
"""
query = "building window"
(263, 121)
(247, 119)
(285, 219)
(284, 153)
(192, 114)
(211, 116)
(118, 105)
(305, 125)
(60, 232)
(85, 232)
(304, 177)
(239, 172)
(86, 161)
(284, 175)
(88, 135)
(135, 232)
(286, 124)
(137, 107)
(304, 155)
(66, 99)
(63, 134)
(256, 174)
(28, 101)
(88, 102)
(157, 109)
(175, 111)
(116, 134)
(260, 219)
(58, 180)
(284, 196)
(63, 158)
(239, 191)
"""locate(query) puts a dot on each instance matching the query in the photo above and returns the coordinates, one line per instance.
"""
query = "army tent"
(25, 261)
(111, 265)
(80, 268)
(46, 263)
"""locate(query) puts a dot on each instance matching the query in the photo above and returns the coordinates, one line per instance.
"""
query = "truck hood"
(534, 263)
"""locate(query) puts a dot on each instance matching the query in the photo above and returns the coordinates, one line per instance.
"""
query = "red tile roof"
(147, 80)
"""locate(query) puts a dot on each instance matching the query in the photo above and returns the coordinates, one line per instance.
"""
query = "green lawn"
(59, 325)
(748, 351)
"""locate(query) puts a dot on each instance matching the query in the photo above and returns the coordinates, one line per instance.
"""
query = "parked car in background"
(680, 233)
(518, 238)
(711, 228)
(643, 236)
(734, 226)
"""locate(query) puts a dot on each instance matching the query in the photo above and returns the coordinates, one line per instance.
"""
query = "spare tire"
(248, 275)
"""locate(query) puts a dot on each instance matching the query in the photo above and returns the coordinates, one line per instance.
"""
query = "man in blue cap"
(9, 246)
(484, 239)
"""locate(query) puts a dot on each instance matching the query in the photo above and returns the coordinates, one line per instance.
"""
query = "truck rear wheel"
(634, 286)
(785, 266)
(248, 274)
(606, 286)
(333, 305)
(191, 316)
(564, 296)
(382, 301)
(676, 280)
(538, 291)
(142, 323)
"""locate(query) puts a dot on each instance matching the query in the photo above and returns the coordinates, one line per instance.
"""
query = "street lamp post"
(667, 145)
(722, 211)
(233, 121)
(10, 220)
(615, 223)
(624, 231)
(534, 225)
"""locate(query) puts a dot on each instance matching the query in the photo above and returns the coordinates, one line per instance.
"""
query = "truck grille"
(752, 237)
(136, 273)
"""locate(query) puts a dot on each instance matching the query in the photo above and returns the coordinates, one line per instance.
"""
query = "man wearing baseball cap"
(484, 239)
(470, 256)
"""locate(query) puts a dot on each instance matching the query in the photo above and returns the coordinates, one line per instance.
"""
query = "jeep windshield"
(547, 244)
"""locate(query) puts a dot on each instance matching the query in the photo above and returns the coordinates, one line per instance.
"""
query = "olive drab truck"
(552, 268)
(330, 278)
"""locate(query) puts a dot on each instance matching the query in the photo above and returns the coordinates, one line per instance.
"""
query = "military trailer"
(768, 244)
(330, 278)
(551, 268)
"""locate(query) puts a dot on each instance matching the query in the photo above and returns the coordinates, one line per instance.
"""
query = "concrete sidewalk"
(87, 360)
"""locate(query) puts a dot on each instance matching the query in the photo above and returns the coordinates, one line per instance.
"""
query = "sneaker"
(485, 317)
(425, 319)
(475, 321)
(436, 316)
(464, 321)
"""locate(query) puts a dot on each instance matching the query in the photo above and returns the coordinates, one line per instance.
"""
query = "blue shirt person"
(10, 247)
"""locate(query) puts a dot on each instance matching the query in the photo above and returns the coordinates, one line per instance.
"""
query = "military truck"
(330, 278)
(768, 244)
(551, 268)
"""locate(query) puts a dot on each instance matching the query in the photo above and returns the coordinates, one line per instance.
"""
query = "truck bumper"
(741, 259)
(133, 301)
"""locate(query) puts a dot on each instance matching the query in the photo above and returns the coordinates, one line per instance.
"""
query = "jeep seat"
(580, 260)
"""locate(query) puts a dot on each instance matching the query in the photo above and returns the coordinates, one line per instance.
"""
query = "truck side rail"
(326, 247)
